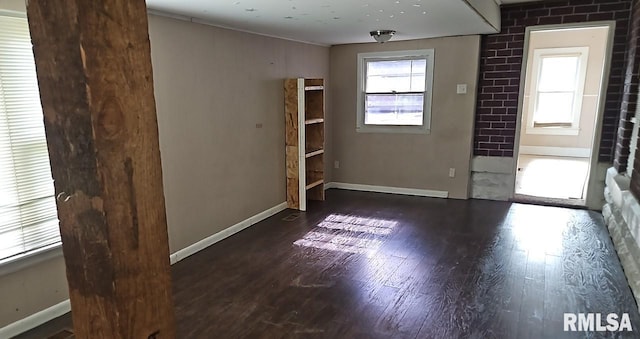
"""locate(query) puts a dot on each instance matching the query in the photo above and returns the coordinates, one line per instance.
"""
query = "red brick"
(508, 117)
(581, 2)
(585, 9)
(538, 13)
(550, 20)
(500, 110)
(574, 18)
(489, 118)
(494, 61)
(506, 146)
(496, 45)
(515, 60)
(612, 7)
(492, 103)
(561, 11)
(600, 16)
(489, 131)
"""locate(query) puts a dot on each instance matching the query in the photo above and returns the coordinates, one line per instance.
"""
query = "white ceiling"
(330, 22)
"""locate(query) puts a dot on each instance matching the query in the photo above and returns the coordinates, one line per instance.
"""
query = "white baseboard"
(35, 320)
(556, 151)
(57, 310)
(227, 232)
(386, 189)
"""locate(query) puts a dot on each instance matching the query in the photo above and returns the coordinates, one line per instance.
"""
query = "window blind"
(28, 217)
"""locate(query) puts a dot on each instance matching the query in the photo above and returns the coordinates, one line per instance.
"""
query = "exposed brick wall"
(629, 103)
(501, 64)
(630, 93)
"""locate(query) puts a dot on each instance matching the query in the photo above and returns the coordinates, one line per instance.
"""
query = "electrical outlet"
(452, 172)
(336, 164)
(258, 125)
(462, 89)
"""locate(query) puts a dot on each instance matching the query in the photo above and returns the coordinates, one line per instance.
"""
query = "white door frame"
(592, 199)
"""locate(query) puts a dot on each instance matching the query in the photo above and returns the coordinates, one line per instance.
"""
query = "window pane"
(391, 109)
(558, 73)
(396, 75)
(554, 108)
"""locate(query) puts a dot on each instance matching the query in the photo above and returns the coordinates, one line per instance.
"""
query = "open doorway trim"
(592, 199)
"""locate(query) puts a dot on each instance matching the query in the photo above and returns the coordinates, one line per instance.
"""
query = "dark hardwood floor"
(367, 265)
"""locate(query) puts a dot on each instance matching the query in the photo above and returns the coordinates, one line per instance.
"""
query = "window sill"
(393, 129)
(553, 131)
(22, 261)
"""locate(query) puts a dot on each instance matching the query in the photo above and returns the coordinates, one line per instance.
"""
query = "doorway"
(564, 75)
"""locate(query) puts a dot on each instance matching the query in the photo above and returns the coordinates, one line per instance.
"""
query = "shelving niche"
(304, 118)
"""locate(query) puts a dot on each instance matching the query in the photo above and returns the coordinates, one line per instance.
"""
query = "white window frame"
(538, 55)
(363, 58)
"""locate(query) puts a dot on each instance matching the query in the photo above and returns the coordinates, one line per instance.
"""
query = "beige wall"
(212, 87)
(409, 160)
(32, 289)
(596, 40)
(12, 5)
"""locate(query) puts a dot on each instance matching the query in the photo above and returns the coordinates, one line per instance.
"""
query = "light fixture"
(382, 35)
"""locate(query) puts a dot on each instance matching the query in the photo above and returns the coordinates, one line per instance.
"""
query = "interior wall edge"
(35, 319)
(225, 233)
(50, 313)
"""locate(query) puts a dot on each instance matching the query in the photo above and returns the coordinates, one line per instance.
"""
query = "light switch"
(462, 88)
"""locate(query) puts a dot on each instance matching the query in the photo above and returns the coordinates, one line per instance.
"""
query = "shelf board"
(313, 121)
(313, 88)
(315, 183)
(314, 153)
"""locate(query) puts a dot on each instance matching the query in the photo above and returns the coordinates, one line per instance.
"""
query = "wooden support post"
(96, 86)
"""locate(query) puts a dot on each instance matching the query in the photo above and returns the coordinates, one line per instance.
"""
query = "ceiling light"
(382, 35)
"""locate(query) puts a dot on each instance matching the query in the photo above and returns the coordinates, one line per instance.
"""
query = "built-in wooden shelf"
(314, 153)
(304, 119)
(314, 88)
(313, 121)
(314, 184)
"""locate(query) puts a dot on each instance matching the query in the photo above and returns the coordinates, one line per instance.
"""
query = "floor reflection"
(348, 233)
(538, 229)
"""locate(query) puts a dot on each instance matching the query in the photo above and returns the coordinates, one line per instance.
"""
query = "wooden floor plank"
(470, 269)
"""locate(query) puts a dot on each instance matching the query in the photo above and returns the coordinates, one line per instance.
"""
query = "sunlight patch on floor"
(347, 233)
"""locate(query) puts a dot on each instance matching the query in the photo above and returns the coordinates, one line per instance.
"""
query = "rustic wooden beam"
(96, 87)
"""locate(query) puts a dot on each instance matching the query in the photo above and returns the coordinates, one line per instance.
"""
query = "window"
(556, 100)
(394, 91)
(28, 217)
